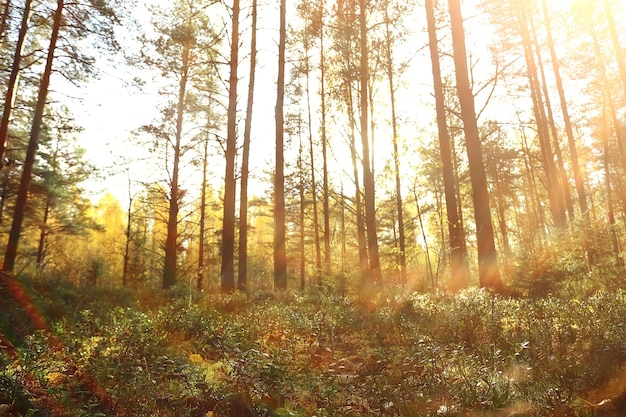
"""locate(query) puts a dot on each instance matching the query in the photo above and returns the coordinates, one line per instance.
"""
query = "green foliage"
(315, 354)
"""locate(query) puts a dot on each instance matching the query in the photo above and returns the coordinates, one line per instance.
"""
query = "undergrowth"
(310, 354)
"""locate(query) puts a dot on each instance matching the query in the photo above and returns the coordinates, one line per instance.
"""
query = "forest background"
(313, 208)
(384, 174)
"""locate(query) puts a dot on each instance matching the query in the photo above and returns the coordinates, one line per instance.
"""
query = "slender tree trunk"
(368, 177)
(29, 162)
(202, 226)
(489, 274)
(617, 251)
(564, 178)
(555, 192)
(43, 234)
(280, 254)
(532, 192)
(227, 272)
(396, 152)
(429, 265)
(358, 204)
(617, 126)
(242, 281)
(127, 236)
(343, 243)
(302, 210)
(569, 131)
(502, 223)
(4, 194)
(458, 253)
(549, 119)
(171, 241)
(325, 190)
(11, 93)
(360, 223)
(316, 227)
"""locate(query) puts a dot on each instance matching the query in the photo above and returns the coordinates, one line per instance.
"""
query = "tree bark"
(170, 266)
(617, 250)
(29, 162)
(429, 264)
(553, 186)
(488, 270)
(396, 153)
(302, 210)
(43, 234)
(569, 131)
(11, 93)
(280, 254)
(458, 253)
(325, 190)
(242, 281)
(202, 226)
(368, 177)
(127, 236)
(316, 227)
(358, 203)
(227, 272)
(549, 120)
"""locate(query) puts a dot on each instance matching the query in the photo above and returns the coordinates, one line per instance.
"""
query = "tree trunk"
(242, 282)
(11, 93)
(501, 216)
(201, 234)
(396, 153)
(280, 254)
(569, 131)
(227, 272)
(555, 192)
(302, 210)
(325, 191)
(29, 162)
(360, 224)
(549, 120)
(617, 126)
(368, 177)
(342, 282)
(358, 204)
(43, 234)
(316, 226)
(127, 236)
(429, 264)
(531, 193)
(617, 251)
(489, 274)
(171, 242)
(458, 253)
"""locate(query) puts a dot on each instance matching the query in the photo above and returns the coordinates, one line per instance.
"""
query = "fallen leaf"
(56, 379)
(195, 358)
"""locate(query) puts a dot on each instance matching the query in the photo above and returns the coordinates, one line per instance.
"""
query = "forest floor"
(66, 351)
